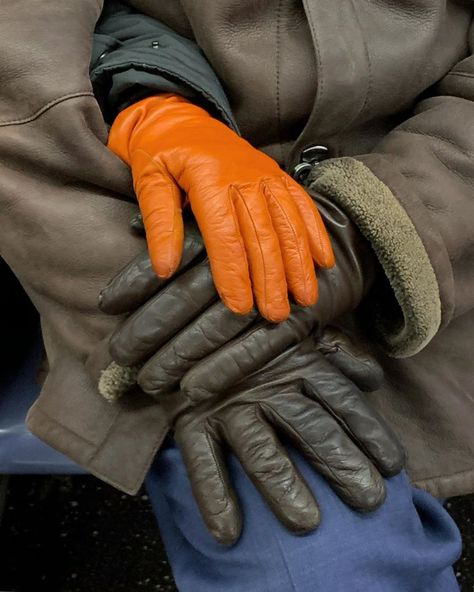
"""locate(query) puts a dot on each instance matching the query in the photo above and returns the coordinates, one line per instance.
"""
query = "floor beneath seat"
(75, 534)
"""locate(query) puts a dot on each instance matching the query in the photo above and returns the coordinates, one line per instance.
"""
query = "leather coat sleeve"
(65, 206)
(413, 198)
(135, 56)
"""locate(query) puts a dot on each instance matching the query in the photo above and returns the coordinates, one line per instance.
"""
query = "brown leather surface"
(300, 395)
(64, 220)
(173, 334)
(63, 197)
(345, 63)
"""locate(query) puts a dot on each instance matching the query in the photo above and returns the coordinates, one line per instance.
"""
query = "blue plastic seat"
(21, 451)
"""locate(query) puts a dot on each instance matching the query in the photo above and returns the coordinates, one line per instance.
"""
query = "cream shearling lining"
(398, 247)
(116, 380)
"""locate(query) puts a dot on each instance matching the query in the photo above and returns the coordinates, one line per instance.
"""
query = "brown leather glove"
(302, 396)
(305, 394)
(184, 323)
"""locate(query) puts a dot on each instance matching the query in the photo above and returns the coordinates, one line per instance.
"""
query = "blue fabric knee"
(408, 545)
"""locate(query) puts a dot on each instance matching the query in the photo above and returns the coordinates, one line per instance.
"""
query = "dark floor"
(74, 534)
(462, 510)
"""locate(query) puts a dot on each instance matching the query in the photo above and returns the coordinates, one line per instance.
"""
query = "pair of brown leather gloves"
(238, 384)
(226, 378)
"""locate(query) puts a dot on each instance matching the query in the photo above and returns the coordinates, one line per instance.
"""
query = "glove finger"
(319, 241)
(225, 248)
(210, 482)
(263, 253)
(293, 237)
(271, 470)
(160, 199)
(138, 282)
(214, 328)
(325, 384)
(329, 450)
(352, 360)
(245, 354)
(151, 326)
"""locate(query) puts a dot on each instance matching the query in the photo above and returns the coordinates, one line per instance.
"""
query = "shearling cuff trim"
(116, 380)
(398, 247)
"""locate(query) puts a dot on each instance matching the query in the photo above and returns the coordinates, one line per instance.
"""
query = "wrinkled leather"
(187, 308)
(65, 200)
(65, 207)
(137, 281)
(260, 228)
(341, 74)
(304, 398)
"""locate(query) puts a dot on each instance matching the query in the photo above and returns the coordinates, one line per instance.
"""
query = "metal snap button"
(315, 154)
(310, 157)
(301, 171)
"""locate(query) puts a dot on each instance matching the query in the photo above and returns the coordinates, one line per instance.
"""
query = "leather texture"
(66, 201)
(65, 206)
(137, 282)
(293, 82)
(261, 230)
(299, 396)
(183, 324)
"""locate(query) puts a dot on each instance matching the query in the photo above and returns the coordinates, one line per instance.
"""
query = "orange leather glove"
(260, 228)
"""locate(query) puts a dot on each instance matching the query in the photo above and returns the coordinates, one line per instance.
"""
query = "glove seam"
(300, 439)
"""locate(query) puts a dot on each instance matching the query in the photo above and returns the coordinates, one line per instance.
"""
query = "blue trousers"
(408, 545)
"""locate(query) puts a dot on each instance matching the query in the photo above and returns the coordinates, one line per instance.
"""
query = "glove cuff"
(342, 287)
(407, 313)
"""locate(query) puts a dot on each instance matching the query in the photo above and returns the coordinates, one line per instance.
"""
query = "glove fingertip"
(374, 499)
(324, 255)
(394, 461)
(119, 350)
(275, 315)
(110, 303)
(275, 311)
(228, 534)
(165, 267)
(368, 494)
(372, 379)
(301, 520)
(242, 306)
(307, 294)
(165, 249)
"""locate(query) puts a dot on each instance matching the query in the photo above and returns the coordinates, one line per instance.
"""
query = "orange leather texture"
(262, 232)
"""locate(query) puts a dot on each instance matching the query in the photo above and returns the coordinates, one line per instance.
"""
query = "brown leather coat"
(297, 74)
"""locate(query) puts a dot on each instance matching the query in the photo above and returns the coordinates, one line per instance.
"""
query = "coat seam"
(88, 464)
(65, 427)
(319, 62)
(427, 480)
(368, 87)
(45, 108)
(414, 131)
(461, 74)
(277, 77)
